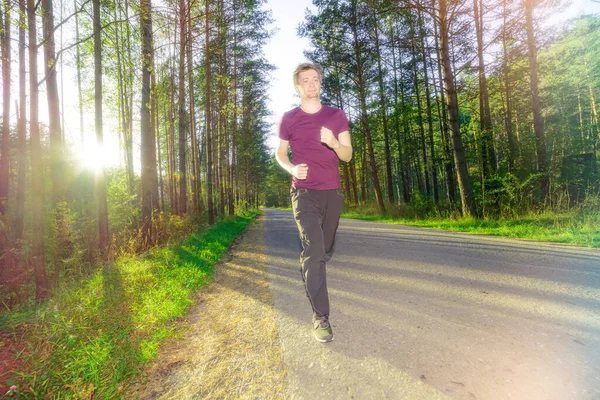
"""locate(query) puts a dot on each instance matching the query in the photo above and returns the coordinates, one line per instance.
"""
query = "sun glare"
(91, 157)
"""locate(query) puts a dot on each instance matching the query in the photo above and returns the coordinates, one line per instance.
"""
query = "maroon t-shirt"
(303, 131)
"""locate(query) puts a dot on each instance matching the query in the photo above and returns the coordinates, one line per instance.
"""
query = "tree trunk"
(56, 162)
(429, 116)
(195, 160)
(466, 193)
(383, 112)
(161, 185)
(512, 143)
(399, 110)
(5, 40)
(173, 176)
(538, 122)
(232, 168)
(100, 183)
(448, 164)
(592, 98)
(208, 131)
(22, 129)
(420, 122)
(363, 106)
(37, 194)
(128, 111)
(78, 64)
(182, 115)
(487, 142)
(148, 137)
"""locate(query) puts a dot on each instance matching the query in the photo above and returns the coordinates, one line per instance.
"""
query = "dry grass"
(228, 347)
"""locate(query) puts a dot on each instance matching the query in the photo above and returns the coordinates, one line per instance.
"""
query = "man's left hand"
(328, 138)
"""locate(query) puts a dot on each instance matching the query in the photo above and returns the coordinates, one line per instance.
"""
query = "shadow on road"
(471, 317)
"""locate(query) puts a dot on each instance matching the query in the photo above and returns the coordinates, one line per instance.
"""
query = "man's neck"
(310, 106)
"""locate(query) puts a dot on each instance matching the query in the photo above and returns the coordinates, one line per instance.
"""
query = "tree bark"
(22, 128)
(208, 130)
(485, 118)
(512, 142)
(538, 122)
(434, 179)
(399, 110)
(5, 40)
(420, 122)
(37, 194)
(56, 147)
(100, 182)
(363, 106)
(195, 181)
(448, 164)
(383, 112)
(182, 112)
(469, 207)
(78, 64)
(148, 137)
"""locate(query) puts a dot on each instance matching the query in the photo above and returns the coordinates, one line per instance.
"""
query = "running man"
(319, 137)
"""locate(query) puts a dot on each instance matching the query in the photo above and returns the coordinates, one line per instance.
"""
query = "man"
(318, 136)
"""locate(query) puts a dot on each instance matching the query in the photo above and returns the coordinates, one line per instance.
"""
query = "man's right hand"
(300, 171)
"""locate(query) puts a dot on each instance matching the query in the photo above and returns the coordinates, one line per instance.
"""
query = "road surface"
(427, 314)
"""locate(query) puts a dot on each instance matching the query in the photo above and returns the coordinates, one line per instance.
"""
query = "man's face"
(309, 84)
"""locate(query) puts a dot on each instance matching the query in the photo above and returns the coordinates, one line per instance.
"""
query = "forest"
(457, 109)
(179, 84)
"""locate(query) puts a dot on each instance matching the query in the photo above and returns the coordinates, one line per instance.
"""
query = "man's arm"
(342, 145)
(299, 171)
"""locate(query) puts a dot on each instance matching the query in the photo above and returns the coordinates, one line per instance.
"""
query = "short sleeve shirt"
(303, 132)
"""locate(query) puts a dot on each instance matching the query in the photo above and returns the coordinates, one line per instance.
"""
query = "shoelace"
(324, 324)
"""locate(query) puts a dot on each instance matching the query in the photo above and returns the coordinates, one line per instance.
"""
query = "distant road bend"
(426, 314)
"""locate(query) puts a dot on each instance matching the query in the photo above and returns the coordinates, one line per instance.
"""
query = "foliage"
(94, 334)
(277, 189)
(578, 226)
(65, 244)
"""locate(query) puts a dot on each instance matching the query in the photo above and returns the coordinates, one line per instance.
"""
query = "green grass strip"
(581, 229)
(89, 338)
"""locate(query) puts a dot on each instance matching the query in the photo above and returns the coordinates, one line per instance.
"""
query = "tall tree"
(383, 111)
(538, 122)
(56, 141)
(182, 114)
(195, 181)
(469, 207)
(37, 195)
(5, 40)
(100, 182)
(148, 150)
(434, 179)
(22, 127)
(362, 96)
(208, 117)
(78, 65)
(485, 119)
(508, 118)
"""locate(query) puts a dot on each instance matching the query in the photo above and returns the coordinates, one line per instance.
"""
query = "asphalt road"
(427, 314)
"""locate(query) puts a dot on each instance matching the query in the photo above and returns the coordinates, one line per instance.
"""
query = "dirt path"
(229, 345)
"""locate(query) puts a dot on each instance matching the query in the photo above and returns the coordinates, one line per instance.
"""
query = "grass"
(230, 347)
(581, 228)
(89, 338)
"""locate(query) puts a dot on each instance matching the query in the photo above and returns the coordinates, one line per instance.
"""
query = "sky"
(285, 51)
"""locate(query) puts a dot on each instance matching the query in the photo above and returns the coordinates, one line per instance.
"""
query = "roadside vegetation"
(95, 333)
(579, 227)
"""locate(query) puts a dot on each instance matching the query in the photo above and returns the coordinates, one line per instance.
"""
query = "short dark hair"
(305, 67)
